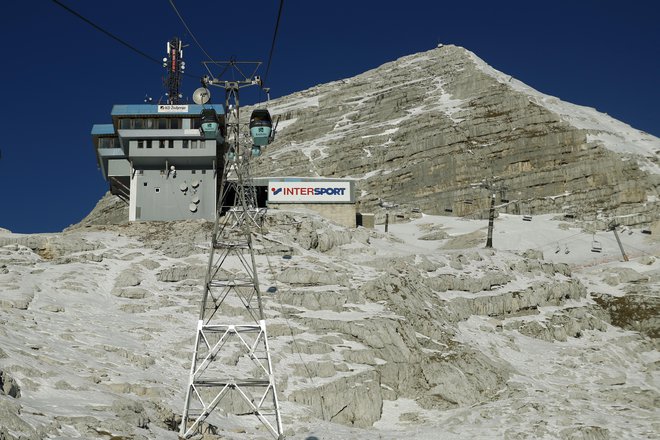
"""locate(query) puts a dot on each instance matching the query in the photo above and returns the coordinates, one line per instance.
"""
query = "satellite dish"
(201, 96)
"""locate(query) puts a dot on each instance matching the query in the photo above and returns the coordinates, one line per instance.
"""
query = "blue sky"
(60, 75)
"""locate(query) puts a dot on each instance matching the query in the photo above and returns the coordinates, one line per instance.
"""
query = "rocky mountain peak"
(427, 129)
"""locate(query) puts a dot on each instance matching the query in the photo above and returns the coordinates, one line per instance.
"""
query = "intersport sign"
(309, 192)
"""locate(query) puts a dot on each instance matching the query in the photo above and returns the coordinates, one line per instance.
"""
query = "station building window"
(150, 123)
(108, 142)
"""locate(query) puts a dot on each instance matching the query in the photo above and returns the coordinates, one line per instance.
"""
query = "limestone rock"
(436, 235)
(300, 275)
(417, 132)
(639, 311)
(182, 272)
(8, 385)
(110, 210)
(131, 292)
(127, 278)
(131, 412)
(51, 246)
(12, 423)
(353, 400)
(619, 275)
(462, 379)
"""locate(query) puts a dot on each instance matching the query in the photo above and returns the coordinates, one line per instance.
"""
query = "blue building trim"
(152, 109)
(102, 129)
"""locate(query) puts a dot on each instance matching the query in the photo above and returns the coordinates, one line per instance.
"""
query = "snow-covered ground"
(548, 233)
(97, 333)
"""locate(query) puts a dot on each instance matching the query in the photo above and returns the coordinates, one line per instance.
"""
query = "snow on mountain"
(612, 133)
(418, 332)
(426, 129)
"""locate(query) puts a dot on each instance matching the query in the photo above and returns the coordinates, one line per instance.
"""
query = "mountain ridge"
(427, 128)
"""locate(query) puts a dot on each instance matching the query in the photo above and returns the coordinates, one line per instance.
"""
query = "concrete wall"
(195, 152)
(156, 195)
(119, 167)
(367, 220)
(341, 213)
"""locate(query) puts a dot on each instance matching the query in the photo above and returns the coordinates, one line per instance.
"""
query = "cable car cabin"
(261, 126)
(210, 124)
(256, 150)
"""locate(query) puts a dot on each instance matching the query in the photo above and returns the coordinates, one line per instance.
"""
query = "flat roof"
(99, 129)
(163, 109)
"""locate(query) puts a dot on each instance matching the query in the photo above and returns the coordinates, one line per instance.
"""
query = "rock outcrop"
(359, 322)
(425, 130)
(110, 210)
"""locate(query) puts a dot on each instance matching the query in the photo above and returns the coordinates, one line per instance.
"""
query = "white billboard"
(329, 191)
(172, 108)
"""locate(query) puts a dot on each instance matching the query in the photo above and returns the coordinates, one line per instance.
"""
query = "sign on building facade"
(328, 191)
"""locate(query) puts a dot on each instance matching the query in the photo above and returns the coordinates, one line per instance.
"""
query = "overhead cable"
(109, 34)
(189, 31)
(113, 36)
(272, 46)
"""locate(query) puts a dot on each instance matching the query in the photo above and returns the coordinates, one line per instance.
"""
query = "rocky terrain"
(419, 332)
(427, 129)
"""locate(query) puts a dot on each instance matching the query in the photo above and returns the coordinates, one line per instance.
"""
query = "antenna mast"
(231, 369)
(175, 66)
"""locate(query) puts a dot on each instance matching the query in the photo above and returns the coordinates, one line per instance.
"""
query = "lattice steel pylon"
(175, 66)
(231, 367)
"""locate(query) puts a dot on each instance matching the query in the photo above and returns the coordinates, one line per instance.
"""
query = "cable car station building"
(166, 161)
(156, 158)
